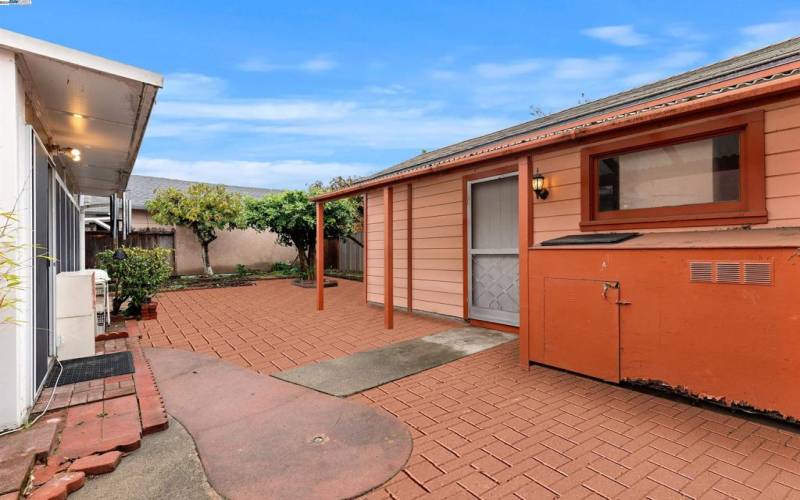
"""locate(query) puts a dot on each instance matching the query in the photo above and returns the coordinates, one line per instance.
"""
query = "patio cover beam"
(388, 258)
(320, 264)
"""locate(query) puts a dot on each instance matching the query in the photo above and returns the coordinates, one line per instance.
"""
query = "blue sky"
(280, 94)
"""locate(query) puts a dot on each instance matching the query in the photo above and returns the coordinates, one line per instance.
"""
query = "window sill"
(682, 220)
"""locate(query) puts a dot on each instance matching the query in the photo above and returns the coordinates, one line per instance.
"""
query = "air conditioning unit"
(102, 300)
(76, 314)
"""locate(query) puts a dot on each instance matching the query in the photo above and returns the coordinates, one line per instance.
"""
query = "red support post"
(524, 167)
(388, 258)
(320, 264)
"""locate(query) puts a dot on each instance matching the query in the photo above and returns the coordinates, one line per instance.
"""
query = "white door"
(493, 249)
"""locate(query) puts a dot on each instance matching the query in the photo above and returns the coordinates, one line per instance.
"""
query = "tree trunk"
(206, 261)
(302, 259)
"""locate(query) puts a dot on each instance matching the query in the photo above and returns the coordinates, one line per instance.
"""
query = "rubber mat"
(91, 368)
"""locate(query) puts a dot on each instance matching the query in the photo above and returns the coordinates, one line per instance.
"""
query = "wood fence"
(345, 255)
(97, 241)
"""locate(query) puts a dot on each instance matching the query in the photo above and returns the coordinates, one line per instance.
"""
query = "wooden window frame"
(749, 209)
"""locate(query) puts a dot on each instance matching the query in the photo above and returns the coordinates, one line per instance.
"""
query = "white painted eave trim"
(24, 44)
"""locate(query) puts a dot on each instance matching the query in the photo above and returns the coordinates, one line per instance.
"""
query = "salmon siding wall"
(560, 214)
(436, 239)
(437, 214)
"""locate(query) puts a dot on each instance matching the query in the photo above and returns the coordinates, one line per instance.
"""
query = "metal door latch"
(607, 285)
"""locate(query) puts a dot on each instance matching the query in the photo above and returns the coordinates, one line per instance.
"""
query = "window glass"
(704, 171)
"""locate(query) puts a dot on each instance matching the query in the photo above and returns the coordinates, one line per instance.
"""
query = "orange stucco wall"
(248, 247)
(732, 341)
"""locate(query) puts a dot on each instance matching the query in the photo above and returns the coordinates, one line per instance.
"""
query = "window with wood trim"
(710, 173)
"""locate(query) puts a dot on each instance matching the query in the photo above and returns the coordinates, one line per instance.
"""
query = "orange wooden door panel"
(581, 326)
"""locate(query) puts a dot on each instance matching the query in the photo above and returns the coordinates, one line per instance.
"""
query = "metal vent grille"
(701, 272)
(758, 273)
(729, 272)
(739, 273)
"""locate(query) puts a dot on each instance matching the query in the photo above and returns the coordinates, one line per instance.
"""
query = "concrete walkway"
(166, 466)
(260, 436)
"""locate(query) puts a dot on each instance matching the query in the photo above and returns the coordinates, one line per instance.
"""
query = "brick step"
(94, 465)
(122, 334)
(60, 486)
(20, 450)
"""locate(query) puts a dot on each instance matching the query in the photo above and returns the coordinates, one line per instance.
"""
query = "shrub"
(280, 267)
(137, 272)
(242, 270)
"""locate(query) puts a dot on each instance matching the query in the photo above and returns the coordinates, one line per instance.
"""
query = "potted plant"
(137, 275)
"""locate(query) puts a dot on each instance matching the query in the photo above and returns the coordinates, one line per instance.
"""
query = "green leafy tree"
(357, 201)
(138, 273)
(202, 208)
(292, 217)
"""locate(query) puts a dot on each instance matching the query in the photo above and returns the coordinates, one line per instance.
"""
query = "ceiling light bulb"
(75, 154)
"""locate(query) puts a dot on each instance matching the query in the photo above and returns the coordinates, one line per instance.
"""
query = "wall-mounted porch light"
(73, 154)
(538, 186)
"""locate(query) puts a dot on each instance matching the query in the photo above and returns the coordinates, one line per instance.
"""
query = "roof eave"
(16, 42)
(766, 89)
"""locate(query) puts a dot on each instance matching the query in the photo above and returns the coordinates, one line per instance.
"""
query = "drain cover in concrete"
(365, 370)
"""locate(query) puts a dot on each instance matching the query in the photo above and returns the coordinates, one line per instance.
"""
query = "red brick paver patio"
(484, 428)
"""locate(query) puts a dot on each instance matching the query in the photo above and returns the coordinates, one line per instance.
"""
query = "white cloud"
(575, 68)
(191, 86)
(393, 89)
(389, 120)
(622, 35)
(288, 174)
(316, 64)
(254, 109)
(443, 74)
(761, 35)
(507, 70)
(685, 33)
(664, 67)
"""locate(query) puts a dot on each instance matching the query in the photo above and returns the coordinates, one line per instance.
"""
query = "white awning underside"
(83, 101)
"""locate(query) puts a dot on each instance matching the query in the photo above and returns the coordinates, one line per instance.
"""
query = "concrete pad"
(167, 466)
(364, 370)
(260, 437)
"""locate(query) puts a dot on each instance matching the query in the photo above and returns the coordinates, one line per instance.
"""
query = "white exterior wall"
(16, 370)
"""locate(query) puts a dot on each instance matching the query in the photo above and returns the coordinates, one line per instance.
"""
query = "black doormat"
(91, 368)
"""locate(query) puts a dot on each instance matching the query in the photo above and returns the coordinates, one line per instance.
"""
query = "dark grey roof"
(757, 60)
(142, 187)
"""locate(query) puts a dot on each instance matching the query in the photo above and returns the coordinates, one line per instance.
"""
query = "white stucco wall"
(16, 371)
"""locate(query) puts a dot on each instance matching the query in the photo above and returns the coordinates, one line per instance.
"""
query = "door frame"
(50, 181)
(466, 191)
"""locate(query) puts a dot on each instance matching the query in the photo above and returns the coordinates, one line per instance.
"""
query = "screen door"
(42, 281)
(493, 249)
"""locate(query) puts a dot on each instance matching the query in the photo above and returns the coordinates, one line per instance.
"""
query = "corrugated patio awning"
(83, 101)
